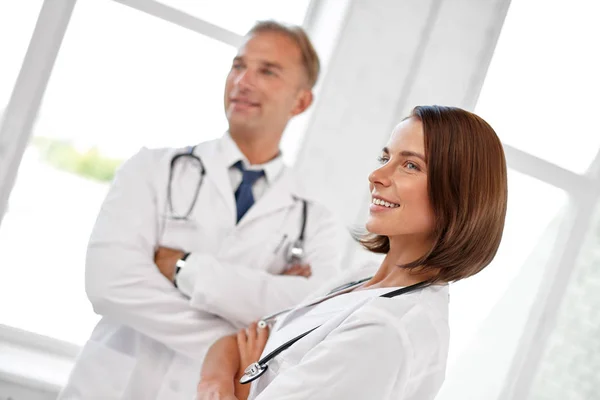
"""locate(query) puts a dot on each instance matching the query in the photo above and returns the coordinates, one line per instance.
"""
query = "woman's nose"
(380, 176)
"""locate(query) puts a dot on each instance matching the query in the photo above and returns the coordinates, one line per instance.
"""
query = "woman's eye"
(412, 165)
(382, 160)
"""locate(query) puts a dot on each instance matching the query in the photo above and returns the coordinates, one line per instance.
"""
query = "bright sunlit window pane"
(488, 312)
(17, 22)
(571, 359)
(143, 81)
(541, 91)
(119, 88)
(239, 15)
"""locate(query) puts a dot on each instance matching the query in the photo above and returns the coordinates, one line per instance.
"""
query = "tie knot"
(249, 176)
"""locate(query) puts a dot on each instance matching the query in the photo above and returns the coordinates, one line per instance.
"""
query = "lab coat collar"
(217, 156)
(217, 172)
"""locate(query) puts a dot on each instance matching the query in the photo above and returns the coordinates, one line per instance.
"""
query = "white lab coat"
(152, 339)
(367, 347)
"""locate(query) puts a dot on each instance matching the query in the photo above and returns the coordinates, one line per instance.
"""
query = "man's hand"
(303, 270)
(165, 259)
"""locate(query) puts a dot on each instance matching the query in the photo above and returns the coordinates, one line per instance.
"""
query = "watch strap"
(178, 266)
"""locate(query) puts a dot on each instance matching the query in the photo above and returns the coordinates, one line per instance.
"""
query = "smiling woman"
(435, 157)
(438, 210)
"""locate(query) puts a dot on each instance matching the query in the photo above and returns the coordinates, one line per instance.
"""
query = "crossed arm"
(371, 355)
(124, 283)
(166, 258)
(226, 361)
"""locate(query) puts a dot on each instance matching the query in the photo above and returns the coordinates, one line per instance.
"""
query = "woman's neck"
(401, 252)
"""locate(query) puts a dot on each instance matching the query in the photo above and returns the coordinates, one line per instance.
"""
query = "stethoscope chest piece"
(295, 252)
(254, 371)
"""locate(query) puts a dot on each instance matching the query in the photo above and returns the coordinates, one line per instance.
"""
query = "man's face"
(267, 84)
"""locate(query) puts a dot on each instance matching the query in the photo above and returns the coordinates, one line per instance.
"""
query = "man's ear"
(304, 100)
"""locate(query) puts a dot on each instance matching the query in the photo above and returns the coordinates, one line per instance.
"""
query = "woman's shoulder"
(431, 302)
(419, 320)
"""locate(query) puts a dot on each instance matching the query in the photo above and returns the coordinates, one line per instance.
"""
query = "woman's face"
(400, 205)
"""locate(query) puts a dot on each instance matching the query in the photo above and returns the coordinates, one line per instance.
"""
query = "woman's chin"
(375, 228)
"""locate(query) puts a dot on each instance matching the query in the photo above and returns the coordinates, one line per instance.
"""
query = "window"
(17, 21)
(239, 16)
(570, 361)
(111, 92)
(531, 201)
(488, 312)
(541, 90)
(541, 96)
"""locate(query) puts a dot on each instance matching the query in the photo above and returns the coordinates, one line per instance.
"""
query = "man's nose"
(245, 79)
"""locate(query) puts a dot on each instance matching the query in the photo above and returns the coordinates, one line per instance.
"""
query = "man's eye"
(268, 72)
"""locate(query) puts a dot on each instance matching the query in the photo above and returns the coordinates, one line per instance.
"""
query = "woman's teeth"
(384, 203)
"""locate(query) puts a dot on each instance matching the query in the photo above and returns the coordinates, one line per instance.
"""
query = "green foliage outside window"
(89, 163)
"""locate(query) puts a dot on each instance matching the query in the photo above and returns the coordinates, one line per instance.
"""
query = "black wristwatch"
(178, 266)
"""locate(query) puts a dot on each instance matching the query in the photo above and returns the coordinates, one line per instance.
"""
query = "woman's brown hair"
(466, 178)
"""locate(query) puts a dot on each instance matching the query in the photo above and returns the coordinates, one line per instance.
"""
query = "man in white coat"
(188, 249)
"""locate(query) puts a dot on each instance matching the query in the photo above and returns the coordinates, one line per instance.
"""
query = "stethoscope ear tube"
(188, 153)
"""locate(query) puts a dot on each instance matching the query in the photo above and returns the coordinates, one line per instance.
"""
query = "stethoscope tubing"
(296, 247)
(255, 370)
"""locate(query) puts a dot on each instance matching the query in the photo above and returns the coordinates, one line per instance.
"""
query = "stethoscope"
(294, 253)
(255, 370)
(270, 319)
(190, 154)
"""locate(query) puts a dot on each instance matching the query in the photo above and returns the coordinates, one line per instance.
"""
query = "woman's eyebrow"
(406, 153)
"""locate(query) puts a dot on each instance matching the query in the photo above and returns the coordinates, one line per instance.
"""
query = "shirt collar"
(231, 154)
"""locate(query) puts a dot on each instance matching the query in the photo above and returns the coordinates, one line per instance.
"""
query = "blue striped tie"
(243, 195)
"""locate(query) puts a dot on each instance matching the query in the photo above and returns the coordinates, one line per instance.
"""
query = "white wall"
(392, 55)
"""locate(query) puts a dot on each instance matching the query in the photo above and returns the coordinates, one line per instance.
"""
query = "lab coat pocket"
(100, 373)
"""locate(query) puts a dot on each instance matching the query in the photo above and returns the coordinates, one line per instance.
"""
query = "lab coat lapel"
(280, 194)
(217, 173)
